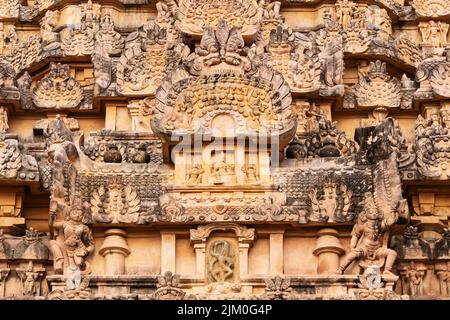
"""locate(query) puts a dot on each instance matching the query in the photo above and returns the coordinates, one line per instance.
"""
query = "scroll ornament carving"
(431, 8)
(194, 14)
(432, 144)
(292, 55)
(58, 90)
(257, 96)
(115, 205)
(440, 79)
(278, 288)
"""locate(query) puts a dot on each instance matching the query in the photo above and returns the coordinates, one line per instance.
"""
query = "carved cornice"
(201, 234)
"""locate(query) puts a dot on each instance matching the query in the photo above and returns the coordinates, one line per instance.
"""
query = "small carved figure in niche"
(3, 120)
(367, 238)
(112, 155)
(443, 277)
(29, 278)
(220, 261)
(141, 155)
(221, 170)
(78, 240)
(415, 278)
(250, 173)
(195, 174)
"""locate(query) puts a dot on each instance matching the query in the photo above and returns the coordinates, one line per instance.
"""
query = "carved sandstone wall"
(203, 149)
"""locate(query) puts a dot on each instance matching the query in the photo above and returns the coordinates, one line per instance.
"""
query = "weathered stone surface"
(238, 149)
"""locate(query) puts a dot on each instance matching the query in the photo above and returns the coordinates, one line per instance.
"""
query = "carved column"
(115, 249)
(328, 250)
(276, 252)
(168, 242)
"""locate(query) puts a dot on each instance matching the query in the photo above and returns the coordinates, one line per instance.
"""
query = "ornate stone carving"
(3, 120)
(317, 136)
(292, 55)
(127, 144)
(332, 203)
(430, 8)
(432, 144)
(144, 64)
(278, 288)
(218, 68)
(107, 38)
(377, 89)
(194, 14)
(50, 39)
(58, 90)
(31, 278)
(367, 243)
(221, 261)
(407, 50)
(115, 205)
(74, 244)
(10, 159)
(169, 287)
(434, 34)
(330, 44)
(9, 9)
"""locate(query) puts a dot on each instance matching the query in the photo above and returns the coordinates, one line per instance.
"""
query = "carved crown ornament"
(433, 74)
(220, 84)
(58, 90)
(378, 89)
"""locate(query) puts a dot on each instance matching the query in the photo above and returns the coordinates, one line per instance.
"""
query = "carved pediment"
(433, 74)
(196, 14)
(379, 89)
(58, 90)
(220, 83)
(431, 8)
(107, 38)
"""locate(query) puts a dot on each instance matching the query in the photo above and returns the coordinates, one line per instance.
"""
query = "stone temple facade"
(224, 149)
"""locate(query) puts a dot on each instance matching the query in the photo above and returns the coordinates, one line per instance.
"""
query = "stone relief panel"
(195, 14)
(432, 144)
(218, 67)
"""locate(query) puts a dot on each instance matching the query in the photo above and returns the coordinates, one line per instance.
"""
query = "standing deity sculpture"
(76, 243)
